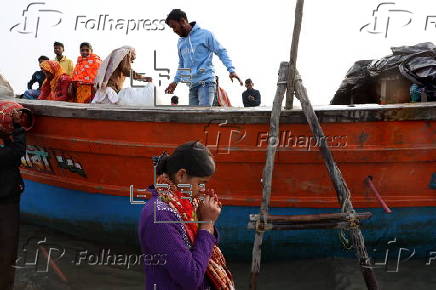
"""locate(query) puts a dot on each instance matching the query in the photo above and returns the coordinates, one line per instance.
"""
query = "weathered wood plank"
(294, 52)
(342, 191)
(325, 217)
(257, 115)
(310, 226)
(255, 264)
(268, 169)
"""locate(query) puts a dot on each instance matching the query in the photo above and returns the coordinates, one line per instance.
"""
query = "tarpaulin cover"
(416, 63)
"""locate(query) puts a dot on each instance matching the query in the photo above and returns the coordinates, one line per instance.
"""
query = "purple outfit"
(170, 261)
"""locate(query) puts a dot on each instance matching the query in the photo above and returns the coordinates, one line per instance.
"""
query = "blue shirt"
(195, 57)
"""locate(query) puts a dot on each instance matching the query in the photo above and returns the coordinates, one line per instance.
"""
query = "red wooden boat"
(82, 160)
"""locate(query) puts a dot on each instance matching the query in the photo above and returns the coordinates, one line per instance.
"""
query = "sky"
(256, 34)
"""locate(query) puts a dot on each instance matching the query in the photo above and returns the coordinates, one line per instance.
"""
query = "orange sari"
(56, 88)
(84, 75)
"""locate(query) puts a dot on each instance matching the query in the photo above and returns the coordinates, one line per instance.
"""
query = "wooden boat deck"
(233, 115)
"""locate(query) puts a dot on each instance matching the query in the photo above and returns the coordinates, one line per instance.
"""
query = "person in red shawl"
(176, 228)
(56, 85)
(85, 72)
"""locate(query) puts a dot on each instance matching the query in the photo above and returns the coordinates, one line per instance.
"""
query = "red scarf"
(217, 270)
(223, 98)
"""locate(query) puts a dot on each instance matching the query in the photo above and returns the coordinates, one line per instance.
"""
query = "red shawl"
(223, 98)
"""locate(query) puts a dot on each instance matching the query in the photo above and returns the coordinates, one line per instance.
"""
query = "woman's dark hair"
(177, 15)
(86, 44)
(192, 156)
(43, 57)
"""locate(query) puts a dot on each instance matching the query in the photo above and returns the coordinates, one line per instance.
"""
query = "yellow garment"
(66, 64)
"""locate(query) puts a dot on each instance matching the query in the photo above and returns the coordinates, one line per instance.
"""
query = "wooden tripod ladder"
(290, 82)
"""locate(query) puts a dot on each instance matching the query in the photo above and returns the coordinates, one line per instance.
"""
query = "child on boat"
(176, 229)
(85, 72)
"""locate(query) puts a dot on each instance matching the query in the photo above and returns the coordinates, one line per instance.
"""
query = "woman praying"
(56, 86)
(85, 72)
(176, 229)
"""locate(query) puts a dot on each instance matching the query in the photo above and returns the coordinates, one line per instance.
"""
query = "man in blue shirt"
(196, 47)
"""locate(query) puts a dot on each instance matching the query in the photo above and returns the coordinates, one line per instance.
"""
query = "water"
(83, 265)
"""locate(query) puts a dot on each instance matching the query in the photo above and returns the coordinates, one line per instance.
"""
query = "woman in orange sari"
(56, 84)
(84, 73)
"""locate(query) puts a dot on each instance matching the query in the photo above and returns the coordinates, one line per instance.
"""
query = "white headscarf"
(110, 64)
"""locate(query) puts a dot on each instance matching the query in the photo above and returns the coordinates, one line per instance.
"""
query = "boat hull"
(105, 156)
(105, 218)
(86, 165)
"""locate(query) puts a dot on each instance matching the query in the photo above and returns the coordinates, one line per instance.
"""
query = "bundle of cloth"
(417, 63)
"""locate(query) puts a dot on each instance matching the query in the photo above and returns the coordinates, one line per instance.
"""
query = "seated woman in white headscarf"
(110, 78)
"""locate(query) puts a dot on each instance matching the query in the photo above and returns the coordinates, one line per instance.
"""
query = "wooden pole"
(294, 52)
(342, 191)
(301, 222)
(268, 169)
(290, 80)
(310, 218)
(308, 226)
(282, 85)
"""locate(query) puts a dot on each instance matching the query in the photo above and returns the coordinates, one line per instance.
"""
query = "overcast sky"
(257, 35)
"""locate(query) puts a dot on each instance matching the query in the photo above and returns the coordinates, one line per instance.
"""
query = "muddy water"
(86, 265)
